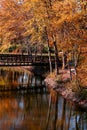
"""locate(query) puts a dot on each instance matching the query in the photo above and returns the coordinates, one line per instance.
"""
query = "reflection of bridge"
(25, 60)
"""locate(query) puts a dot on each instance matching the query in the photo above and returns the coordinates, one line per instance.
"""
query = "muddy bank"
(65, 89)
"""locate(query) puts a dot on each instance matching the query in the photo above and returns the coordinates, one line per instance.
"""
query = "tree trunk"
(64, 60)
(49, 53)
(56, 57)
(35, 54)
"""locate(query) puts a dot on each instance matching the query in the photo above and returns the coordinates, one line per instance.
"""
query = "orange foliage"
(65, 21)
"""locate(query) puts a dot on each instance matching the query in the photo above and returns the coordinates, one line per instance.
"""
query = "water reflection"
(11, 78)
(21, 111)
(67, 116)
(24, 110)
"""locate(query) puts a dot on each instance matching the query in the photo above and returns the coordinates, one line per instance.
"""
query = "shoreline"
(64, 91)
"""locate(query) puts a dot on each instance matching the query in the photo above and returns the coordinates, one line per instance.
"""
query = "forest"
(60, 25)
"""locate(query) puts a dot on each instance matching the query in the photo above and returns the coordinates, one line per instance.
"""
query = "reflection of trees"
(49, 112)
(56, 111)
(23, 112)
(51, 120)
(29, 111)
(65, 116)
(16, 79)
(33, 110)
(69, 117)
(9, 112)
(81, 122)
(73, 119)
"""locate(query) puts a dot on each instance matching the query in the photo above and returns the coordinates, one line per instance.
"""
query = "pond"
(30, 109)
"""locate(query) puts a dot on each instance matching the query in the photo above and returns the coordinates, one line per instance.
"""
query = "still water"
(35, 110)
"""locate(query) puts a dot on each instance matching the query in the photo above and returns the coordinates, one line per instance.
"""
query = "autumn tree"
(59, 24)
(41, 26)
(11, 21)
(72, 32)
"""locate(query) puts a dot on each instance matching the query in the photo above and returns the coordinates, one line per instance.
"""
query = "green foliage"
(45, 49)
(12, 48)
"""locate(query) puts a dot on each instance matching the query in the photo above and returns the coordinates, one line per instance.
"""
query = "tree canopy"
(36, 22)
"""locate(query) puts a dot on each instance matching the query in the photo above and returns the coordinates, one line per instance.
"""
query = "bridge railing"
(24, 59)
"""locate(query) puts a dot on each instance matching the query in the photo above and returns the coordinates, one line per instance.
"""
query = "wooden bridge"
(25, 59)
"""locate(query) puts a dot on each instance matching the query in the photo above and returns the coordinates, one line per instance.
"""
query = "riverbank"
(65, 87)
